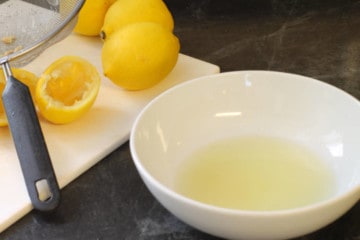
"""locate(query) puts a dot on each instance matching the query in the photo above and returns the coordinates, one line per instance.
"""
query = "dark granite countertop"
(319, 39)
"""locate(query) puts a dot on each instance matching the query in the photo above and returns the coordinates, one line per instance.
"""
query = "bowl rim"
(145, 175)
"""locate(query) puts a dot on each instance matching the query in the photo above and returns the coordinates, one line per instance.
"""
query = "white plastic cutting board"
(76, 147)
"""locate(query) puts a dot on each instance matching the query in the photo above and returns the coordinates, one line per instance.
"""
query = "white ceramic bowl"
(242, 103)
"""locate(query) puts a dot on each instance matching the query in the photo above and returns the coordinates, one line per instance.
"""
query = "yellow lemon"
(3, 119)
(124, 12)
(91, 17)
(139, 55)
(26, 77)
(67, 89)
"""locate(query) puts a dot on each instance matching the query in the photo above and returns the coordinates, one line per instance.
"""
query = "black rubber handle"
(30, 146)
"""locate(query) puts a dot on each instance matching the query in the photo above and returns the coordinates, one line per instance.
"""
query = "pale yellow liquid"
(255, 173)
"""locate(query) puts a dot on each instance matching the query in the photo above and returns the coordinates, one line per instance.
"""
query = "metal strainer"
(26, 29)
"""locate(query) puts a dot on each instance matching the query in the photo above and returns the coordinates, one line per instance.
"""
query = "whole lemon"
(139, 55)
(124, 12)
(91, 17)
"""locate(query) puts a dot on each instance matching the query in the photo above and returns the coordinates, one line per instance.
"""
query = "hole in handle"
(43, 190)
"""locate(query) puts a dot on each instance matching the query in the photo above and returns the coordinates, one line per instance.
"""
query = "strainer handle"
(30, 145)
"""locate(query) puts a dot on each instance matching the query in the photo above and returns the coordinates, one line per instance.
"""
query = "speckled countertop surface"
(319, 39)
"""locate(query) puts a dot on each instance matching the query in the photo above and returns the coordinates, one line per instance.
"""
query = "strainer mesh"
(28, 27)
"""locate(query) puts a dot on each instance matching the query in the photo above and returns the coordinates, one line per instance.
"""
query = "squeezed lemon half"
(3, 119)
(67, 89)
(26, 77)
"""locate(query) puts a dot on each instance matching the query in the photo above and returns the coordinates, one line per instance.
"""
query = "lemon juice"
(255, 173)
